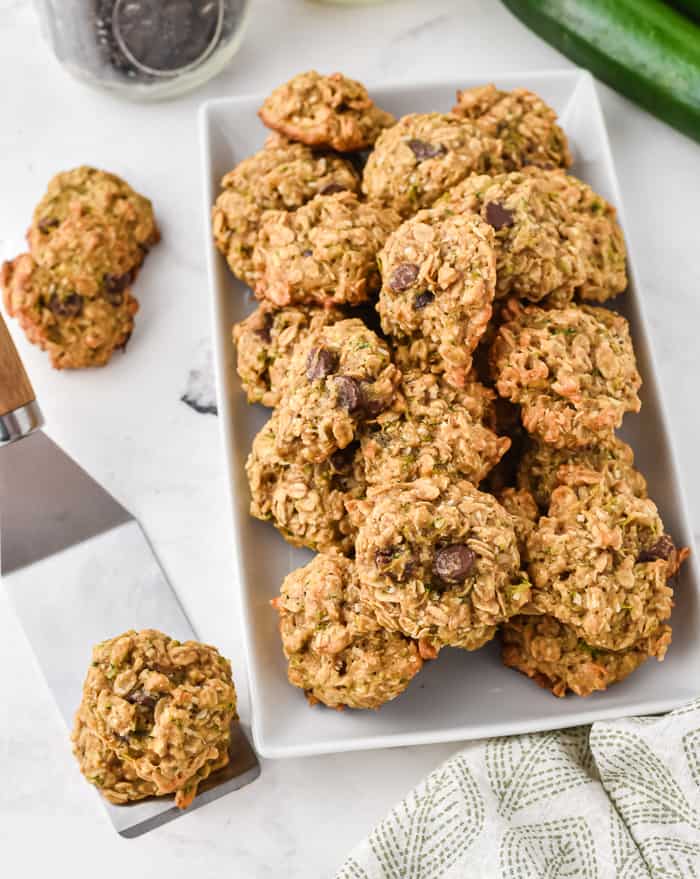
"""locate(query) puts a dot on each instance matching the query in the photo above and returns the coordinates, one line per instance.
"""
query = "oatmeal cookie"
(305, 501)
(601, 563)
(537, 240)
(95, 220)
(431, 434)
(340, 378)
(525, 124)
(440, 565)
(332, 111)
(161, 708)
(337, 652)
(554, 655)
(265, 341)
(596, 232)
(77, 330)
(423, 156)
(572, 370)
(543, 468)
(324, 252)
(439, 276)
(282, 176)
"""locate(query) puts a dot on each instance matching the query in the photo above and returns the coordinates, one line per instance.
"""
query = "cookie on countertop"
(306, 502)
(525, 124)
(161, 708)
(265, 341)
(429, 433)
(438, 282)
(601, 563)
(95, 219)
(554, 655)
(325, 252)
(538, 252)
(282, 176)
(337, 652)
(332, 111)
(340, 378)
(423, 156)
(77, 330)
(572, 370)
(543, 468)
(440, 565)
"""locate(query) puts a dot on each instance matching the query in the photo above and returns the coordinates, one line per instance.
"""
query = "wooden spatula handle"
(15, 388)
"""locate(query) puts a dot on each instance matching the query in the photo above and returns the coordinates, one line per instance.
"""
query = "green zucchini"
(642, 48)
(688, 7)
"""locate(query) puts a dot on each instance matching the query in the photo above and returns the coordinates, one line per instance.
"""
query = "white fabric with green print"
(619, 799)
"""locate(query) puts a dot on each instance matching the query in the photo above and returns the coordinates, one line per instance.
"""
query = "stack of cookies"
(446, 389)
(72, 292)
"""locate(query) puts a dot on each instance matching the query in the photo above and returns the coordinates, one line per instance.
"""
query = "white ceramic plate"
(460, 695)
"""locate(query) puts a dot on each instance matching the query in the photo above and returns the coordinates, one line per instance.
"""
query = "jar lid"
(166, 38)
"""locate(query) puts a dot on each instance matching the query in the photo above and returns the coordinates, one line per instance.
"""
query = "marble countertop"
(128, 426)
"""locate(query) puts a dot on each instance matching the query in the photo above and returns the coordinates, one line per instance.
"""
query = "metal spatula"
(78, 569)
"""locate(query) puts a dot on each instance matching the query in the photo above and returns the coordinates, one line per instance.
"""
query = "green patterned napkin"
(617, 799)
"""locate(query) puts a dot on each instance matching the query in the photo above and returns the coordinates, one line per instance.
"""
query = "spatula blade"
(78, 569)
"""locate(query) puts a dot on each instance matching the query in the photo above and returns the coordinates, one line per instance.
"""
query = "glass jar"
(144, 49)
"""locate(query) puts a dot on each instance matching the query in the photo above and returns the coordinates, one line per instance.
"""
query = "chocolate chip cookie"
(601, 563)
(332, 111)
(429, 433)
(543, 468)
(282, 176)
(337, 652)
(521, 120)
(157, 710)
(438, 282)
(306, 502)
(95, 223)
(265, 341)
(440, 564)
(572, 370)
(77, 330)
(324, 252)
(340, 378)
(536, 237)
(554, 655)
(423, 156)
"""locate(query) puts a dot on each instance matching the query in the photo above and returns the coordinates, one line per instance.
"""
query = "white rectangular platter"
(460, 695)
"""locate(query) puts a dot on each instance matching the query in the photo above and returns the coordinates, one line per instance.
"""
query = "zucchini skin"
(687, 7)
(641, 48)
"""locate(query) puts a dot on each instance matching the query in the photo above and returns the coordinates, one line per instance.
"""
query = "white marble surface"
(128, 427)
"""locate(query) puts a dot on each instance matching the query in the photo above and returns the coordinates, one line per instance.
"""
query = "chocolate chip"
(383, 557)
(47, 223)
(662, 549)
(320, 363)
(114, 286)
(453, 563)
(403, 276)
(142, 697)
(342, 107)
(264, 331)
(498, 216)
(332, 188)
(423, 150)
(66, 306)
(423, 299)
(307, 252)
(349, 392)
(373, 406)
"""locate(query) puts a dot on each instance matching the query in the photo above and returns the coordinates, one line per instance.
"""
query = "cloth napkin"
(616, 799)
